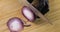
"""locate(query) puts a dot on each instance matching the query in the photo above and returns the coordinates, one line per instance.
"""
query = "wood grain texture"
(12, 8)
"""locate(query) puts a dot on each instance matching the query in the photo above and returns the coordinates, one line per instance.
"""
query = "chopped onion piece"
(28, 13)
(15, 24)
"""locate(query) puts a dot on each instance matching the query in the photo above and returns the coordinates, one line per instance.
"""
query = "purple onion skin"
(34, 17)
(20, 23)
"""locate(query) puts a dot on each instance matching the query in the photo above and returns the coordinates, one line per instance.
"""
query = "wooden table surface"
(12, 8)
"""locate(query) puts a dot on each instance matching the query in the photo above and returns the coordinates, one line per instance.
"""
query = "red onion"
(28, 13)
(15, 24)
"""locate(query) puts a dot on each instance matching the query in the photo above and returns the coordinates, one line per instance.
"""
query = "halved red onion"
(15, 24)
(28, 13)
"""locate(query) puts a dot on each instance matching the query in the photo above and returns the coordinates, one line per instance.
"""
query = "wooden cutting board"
(12, 8)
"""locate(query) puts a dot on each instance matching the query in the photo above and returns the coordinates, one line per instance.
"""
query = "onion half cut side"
(28, 13)
(15, 24)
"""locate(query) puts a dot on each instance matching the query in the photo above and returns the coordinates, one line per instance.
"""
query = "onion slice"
(15, 24)
(28, 13)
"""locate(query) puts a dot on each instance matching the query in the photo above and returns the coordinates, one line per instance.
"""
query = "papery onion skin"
(21, 27)
(34, 17)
